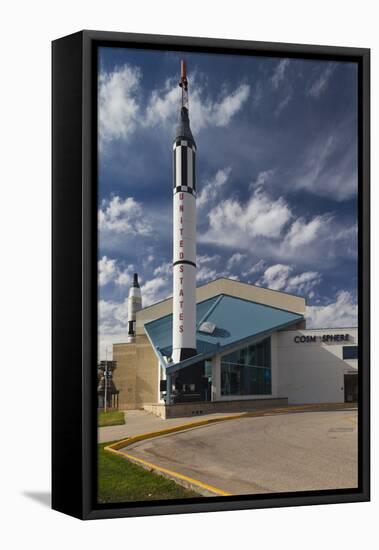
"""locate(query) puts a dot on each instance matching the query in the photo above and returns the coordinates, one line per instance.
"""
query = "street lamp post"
(105, 378)
(105, 385)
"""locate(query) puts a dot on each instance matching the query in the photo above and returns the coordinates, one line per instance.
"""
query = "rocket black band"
(184, 166)
(194, 172)
(174, 169)
(186, 143)
(184, 262)
(184, 189)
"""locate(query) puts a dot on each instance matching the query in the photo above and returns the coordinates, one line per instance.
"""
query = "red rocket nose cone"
(183, 69)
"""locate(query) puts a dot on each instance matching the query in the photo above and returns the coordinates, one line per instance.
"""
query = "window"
(350, 352)
(247, 371)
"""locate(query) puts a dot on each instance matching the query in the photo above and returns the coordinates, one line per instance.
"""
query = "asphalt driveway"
(286, 452)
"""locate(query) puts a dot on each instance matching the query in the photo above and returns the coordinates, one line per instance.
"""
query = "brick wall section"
(136, 375)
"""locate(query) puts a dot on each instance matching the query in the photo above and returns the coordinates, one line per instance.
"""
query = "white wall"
(216, 377)
(274, 366)
(313, 372)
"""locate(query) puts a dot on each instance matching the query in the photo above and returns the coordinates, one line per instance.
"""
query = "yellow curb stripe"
(114, 448)
(134, 439)
(171, 473)
(195, 482)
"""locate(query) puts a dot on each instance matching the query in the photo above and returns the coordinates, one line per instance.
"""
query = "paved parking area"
(286, 452)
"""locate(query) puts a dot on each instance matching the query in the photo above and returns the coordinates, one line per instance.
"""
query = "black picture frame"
(74, 272)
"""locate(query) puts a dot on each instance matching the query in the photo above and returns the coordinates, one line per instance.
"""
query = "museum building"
(253, 350)
(225, 345)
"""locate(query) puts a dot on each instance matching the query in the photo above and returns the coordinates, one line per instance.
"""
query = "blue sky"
(276, 172)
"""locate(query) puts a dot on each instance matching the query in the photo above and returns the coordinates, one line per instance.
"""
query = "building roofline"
(290, 330)
(217, 297)
(227, 279)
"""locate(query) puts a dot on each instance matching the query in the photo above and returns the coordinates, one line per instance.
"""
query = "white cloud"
(279, 277)
(302, 233)
(303, 283)
(223, 111)
(155, 290)
(343, 312)
(257, 95)
(321, 83)
(275, 276)
(211, 189)
(256, 268)
(123, 216)
(163, 105)
(204, 274)
(283, 102)
(113, 316)
(329, 166)
(121, 110)
(118, 102)
(345, 237)
(268, 225)
(234, 224)
(321, 238)
(112, 326)
(109, 271)
(164, 269)
(263, 177)
(279, 84)
(235, 259)
(124, 278)
(205, 259)
(106, 309)
(279, 73)
(106, 270)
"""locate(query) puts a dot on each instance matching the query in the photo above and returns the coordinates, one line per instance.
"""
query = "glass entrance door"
(351, 388)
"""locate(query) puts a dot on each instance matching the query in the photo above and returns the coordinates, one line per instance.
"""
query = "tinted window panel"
(350, 352)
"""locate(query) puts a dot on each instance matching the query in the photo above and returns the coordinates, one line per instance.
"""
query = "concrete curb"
(134, 439)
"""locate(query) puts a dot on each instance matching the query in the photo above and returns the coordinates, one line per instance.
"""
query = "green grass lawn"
(119, 480)
(110, 418)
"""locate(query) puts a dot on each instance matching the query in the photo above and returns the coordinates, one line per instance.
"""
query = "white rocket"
(134, 305)
(184, 228)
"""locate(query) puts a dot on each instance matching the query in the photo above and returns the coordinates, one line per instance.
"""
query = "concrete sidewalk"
(138, 422)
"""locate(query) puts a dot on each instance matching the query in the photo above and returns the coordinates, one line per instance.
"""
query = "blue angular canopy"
(235, 319)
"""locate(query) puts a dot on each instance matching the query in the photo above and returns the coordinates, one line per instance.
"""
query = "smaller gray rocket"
(134, 305)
